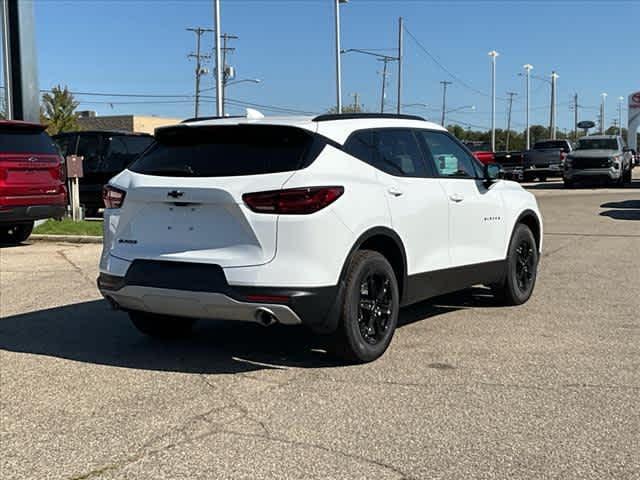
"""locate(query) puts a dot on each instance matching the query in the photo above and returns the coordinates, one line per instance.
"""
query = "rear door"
(417, 203)
(30, 167)
(184, 195)
(476, 223)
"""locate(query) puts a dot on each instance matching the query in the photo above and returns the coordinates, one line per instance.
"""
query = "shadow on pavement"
(580, 186)
(625, 210)
(91, 332)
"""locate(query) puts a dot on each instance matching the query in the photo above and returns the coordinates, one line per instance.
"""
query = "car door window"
(449, 158)
(66, 144)
(89, 148)
(394, 151)
(115, 159)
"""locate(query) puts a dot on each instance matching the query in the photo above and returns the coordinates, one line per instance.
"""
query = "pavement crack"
(75, 267)
(298, 443)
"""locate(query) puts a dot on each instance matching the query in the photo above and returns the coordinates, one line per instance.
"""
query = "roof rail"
(199, 119)
(352, 116)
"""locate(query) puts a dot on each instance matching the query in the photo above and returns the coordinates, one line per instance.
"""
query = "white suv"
(333, 222)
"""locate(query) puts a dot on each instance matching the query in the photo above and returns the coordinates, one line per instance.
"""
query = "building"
(129, 123)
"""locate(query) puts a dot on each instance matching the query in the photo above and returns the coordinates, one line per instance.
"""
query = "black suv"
(106, 153)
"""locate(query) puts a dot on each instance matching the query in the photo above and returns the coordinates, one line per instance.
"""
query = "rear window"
(549, 145)
(223, 151)
(14, 140)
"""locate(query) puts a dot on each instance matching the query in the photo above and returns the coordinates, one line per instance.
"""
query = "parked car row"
(596, 157)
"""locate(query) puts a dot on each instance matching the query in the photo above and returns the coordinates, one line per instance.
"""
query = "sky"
(141, 47)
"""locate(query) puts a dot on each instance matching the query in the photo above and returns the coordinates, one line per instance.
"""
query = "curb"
(65, 238)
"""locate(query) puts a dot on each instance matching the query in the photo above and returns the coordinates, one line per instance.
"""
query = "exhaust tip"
(265, 317)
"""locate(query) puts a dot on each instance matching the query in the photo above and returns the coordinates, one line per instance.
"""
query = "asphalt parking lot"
(467, 390)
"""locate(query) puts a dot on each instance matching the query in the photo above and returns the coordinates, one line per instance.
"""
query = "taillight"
(113, 197)
(293, 201)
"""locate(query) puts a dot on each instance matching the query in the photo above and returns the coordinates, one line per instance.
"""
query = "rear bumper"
(201, 291)
(30, 213)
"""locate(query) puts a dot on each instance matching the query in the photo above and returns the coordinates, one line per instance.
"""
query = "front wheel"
(370, 308)
(16, 233)
(522, 268)
(161, 326)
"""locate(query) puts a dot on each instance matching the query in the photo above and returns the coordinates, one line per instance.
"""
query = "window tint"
(23, 140)
(597, 144)
(225, 151)
(450, 159)
(89, 148)
(394, 151)
(550, 144)
(66, 144)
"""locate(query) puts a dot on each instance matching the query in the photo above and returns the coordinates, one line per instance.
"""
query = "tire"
(542, 178)
(522, 268)
(16, 233)
(568, 183)
(368, 319)
(161, 326)
(628, 176)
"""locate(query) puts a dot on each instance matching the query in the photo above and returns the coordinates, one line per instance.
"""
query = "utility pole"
(552, 123)
(356, 104)
(216, 23)
(199, 31)
(493, 54)
(400, 29)
(227, 71)
(575, 117)
(338, 50)
(528, 69)
(511, 95)
(444, 84)
(386, 61)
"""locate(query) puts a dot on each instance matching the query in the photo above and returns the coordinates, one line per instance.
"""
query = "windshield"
(221, 151)
(597, 144)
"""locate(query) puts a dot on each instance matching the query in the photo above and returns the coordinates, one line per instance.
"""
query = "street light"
(470, 107)
(234, 82)
(493, 54)
(620, 100)
(528, 69)
(604, 97)
(338, 66)
(383, 58)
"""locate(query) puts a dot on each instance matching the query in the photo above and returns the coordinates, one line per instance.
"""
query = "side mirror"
(492, 172)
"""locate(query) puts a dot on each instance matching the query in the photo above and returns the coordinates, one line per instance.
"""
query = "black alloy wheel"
(375, 307)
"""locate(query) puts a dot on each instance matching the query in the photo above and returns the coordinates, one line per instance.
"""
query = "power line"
(446, 70)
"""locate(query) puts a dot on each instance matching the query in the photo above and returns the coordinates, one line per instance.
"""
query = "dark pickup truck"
(545, 159)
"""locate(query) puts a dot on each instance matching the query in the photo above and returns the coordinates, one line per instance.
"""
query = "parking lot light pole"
(602, 117)
(528, 69)
(493, 54)
(219, 67)
(620, 100)
(554, 101)
(338, 65)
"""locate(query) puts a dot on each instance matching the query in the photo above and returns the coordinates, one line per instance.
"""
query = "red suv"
(32, 179)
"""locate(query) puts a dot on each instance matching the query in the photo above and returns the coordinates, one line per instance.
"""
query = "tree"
(351, 108)
(58, 110)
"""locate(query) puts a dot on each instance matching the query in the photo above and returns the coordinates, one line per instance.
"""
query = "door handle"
(456, 197)
(394, 191)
